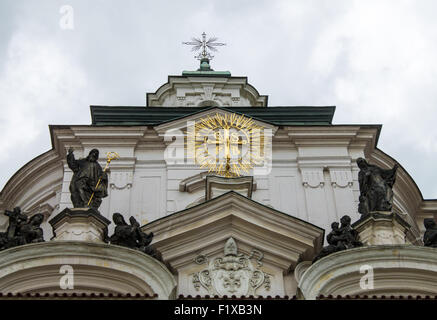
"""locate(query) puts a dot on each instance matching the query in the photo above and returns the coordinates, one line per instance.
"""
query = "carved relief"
(208, 93)
(231, 274)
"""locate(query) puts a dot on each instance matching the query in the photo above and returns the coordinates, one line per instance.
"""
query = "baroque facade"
(255, 232)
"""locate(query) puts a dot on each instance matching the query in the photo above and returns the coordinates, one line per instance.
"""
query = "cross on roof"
(204, 45)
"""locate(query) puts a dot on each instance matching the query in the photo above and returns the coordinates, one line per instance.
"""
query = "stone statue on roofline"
(89, 183)
(341, 237)
(430, 235)
(131, 236)
(21, 230)
(376, 187)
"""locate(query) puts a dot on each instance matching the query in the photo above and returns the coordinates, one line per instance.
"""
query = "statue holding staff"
(90, 182)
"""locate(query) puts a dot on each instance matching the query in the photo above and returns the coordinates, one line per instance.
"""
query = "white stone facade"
(313, 181)
(314, 175)
(206, 91)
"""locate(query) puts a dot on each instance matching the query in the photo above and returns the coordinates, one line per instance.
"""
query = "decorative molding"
(300, 269)
(121, 180)
(313, 178)
(232, 215)
(127, 185)
(382, 228)
(217, 185)
(80, 224)
(98, 267)
(193, 183)
(222, 90)
(397, 269)
(341, 178)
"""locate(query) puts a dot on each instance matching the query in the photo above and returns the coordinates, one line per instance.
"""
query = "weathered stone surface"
(395, 270)
(80, 224)
(97, 268)
(383, 227)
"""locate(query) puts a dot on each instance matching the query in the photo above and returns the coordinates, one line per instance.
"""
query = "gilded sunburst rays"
(227, 144)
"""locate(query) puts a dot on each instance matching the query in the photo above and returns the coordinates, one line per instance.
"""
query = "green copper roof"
(150, 116)
(206, 73)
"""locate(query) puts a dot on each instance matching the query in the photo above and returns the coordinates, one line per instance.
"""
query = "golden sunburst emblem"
(227, 144)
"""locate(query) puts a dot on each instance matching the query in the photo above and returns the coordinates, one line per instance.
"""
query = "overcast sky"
(375, 60)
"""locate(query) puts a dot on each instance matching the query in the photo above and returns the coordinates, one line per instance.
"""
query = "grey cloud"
(297, 52)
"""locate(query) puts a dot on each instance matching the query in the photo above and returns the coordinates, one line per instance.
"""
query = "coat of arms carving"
(232, 274)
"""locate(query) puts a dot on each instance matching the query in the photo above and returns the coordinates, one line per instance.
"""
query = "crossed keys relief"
(231, 274)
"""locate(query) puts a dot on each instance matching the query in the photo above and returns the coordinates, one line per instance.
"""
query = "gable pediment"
(203, 229)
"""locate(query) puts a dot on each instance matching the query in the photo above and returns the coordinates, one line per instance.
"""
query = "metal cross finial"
(204, 45)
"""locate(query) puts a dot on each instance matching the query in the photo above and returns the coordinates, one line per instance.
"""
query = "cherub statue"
(340, 238)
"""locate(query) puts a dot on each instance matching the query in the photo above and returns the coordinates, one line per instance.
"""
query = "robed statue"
(376, 187)
(89, 183)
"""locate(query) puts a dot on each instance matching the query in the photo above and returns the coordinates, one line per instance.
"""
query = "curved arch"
(97, 267)
(397, 270)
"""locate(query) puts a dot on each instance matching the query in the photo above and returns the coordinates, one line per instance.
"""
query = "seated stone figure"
(430, 235)
(132, 236)
(340, 238)
(21, 230)
(124, 234)
(333, 240)
(31, 232)
(349, 236)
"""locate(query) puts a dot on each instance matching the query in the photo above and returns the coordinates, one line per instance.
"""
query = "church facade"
(236, 198)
